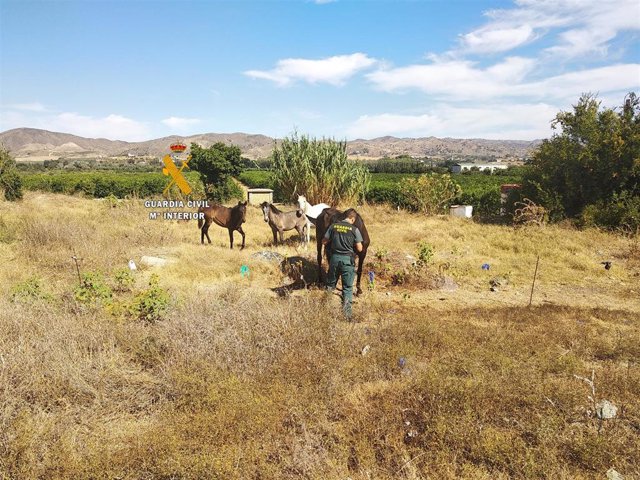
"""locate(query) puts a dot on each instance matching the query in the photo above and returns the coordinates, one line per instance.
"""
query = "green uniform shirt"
(342, 236)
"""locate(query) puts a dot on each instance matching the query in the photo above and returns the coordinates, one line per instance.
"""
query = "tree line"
(588, 171)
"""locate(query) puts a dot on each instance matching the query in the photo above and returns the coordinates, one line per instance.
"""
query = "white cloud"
(29, 107)
(455, 78)
(525, 121)
(492, 39)
(180, 123)
(332, 70)
(584, 27)
(459, 79)
(622, 77)
(113, 127)
(323, 2)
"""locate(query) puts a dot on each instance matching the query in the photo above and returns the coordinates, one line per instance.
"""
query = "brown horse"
(229, 218)
(328, 217)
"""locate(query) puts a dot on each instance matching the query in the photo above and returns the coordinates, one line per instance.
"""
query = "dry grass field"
(233, 381)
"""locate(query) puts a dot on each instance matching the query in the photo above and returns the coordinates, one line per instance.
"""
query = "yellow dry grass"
(237, 382)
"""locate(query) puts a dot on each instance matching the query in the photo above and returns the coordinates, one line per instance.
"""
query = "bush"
(124, 280)
(425, 253)
(429, 194)
(485, 204)
(10, 180)
(93, 289)
(622, 211)
(152, 304)
(216, 166)
(30, 289)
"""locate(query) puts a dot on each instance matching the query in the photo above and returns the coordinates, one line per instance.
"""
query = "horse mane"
(273, 207)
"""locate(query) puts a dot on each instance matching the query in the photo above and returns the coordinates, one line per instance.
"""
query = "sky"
(143, 69)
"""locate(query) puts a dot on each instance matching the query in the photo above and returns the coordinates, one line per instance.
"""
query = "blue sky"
(136, 70)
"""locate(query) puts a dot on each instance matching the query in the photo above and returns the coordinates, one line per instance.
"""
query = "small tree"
(593, 159)
(429, 194)
(216, 166)
(318, 169)
(10, 180)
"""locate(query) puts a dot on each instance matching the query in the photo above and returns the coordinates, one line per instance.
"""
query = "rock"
(268, 256)
(365, 350)
(613, 475)
(411, 259)
(447, 283)
(606, 410)
(154, 261)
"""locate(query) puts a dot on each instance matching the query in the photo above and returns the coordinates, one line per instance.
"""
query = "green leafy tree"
(593, 159)
(318, 169)
(10, 180)
(216, 166)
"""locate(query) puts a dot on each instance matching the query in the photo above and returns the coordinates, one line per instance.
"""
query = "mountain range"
(36, 144)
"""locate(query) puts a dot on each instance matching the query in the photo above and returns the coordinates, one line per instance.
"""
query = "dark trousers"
(342, 266)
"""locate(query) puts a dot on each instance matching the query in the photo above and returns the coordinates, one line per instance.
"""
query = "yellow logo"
(341, 228)
(177, 178)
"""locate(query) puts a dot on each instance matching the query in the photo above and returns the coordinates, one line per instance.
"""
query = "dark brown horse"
(330, 216)
(229, 218)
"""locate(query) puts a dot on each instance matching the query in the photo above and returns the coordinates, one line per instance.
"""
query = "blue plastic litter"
(486, 266)
(244, 271)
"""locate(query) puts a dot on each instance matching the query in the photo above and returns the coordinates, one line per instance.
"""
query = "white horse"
(311, 212)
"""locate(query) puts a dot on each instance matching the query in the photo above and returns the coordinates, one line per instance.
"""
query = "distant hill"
(32, 143)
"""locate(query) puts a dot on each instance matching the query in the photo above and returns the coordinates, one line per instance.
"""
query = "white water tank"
(464, 211)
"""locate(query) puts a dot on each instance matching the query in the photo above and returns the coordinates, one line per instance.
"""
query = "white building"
(461, 167)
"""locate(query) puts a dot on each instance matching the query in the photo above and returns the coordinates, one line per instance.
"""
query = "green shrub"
(216, 166)
(152, 304)
(622, 211)
(429, 194)
(10, 180)
(30, 289)
(124, 280)
(257, 178)
(425, 253)
(93, 288)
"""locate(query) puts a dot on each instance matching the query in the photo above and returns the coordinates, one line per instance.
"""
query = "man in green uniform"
(343, 240)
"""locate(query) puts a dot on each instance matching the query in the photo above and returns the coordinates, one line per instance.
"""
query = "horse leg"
(241, 233)
(231, 238)
(274, 230)
(205, 231)
(320, 281)
(361, 257)
(281, 233)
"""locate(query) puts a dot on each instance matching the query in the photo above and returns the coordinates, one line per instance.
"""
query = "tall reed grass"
(318, 169)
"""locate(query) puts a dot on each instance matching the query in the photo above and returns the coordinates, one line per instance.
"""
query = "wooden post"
(533, 284)
(75, 259)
